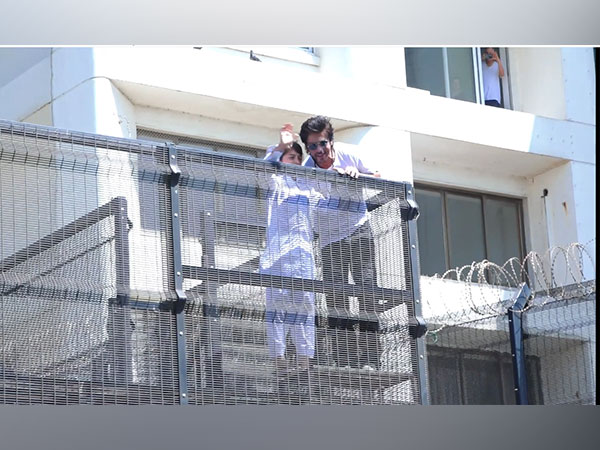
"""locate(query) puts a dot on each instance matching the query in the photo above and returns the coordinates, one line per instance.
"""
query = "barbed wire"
(485, 289)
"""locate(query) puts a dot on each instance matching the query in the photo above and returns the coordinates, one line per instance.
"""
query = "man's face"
(321, 149)
(487, 55)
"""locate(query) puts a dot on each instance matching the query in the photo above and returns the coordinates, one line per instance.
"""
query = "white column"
(84, 101)
(387, 149)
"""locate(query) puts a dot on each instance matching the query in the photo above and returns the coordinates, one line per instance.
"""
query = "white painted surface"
(579, 84)
(386, 149)
(25, 94)
(536, 81)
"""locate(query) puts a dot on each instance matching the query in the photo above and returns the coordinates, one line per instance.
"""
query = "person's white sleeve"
(271, 154)
(363, 168)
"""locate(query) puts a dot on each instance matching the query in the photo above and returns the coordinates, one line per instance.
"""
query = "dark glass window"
(445, 72)
(458, 228)
(476, 377)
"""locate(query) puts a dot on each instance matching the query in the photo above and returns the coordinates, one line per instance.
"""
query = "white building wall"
(220, 94)
(579, 84)
(536, 80)
(28, 92)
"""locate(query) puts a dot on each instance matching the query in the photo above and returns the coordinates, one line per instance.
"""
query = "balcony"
(138, 273)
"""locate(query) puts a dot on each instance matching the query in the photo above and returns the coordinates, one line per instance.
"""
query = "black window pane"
(461, 75)
(508, 382)
(502, 230)
(465, 230)
(425, 69)
(430, 232)
(482, 382)
(444, 379)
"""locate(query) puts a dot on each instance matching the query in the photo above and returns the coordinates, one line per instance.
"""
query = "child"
(289, 252)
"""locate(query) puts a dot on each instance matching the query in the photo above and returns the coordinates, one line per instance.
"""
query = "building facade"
(492, 183)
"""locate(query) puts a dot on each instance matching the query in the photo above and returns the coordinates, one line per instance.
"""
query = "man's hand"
(350, 171)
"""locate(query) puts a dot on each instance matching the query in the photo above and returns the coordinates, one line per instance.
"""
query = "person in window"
(289, 252)
(351, 250)
(492, 70)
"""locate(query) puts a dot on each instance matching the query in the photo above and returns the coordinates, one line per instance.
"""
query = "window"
(451, 72)
(457, 228)
(158, 136)
(246, 225)
(475, 377)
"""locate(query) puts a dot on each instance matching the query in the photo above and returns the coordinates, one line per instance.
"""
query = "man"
(492, 70)
(353, 254)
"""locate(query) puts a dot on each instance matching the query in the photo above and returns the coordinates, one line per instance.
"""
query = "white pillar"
(387, 149)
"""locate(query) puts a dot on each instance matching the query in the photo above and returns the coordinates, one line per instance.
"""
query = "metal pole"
(515, 325)
(179, 305)
(417, 326)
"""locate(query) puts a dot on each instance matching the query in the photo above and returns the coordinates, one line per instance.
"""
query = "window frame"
(443, 191)
(477, 75)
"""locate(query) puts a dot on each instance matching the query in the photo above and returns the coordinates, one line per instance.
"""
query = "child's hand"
(287, 135)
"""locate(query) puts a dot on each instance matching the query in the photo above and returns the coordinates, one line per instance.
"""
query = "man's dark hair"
(316, 124)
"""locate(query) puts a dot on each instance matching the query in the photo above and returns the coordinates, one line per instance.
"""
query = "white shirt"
(491, 82)
(290, 222)
(345, 156)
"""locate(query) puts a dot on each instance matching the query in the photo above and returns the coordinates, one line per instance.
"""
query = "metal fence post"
(417, 327)
(515, 325)
(179, 305)
(118, 208)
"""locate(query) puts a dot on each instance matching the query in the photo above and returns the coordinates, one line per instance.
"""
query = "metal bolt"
(410, 192)
(176, 191)
(208, 214)
(413, 246)
(184, 395)
(417, 301)
(173, 156)
(181, 333)
(421, 356)
(122, 209)
(178, 274)
(176, 215)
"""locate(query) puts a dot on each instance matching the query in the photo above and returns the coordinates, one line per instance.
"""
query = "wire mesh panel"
(300, 284)
(560, 331)
(488, 343)
(83, 270)
(141, 273)
(471, 364)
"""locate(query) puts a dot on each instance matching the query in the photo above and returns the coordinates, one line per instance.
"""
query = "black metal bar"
(419, 327)
(52, 134)
(121, 249)
(515, 325)
(137, 146)
(393, 297)
(211, 332)
(62, 234)
(179, 306)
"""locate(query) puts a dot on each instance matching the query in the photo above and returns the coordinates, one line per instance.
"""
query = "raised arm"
(500, 66)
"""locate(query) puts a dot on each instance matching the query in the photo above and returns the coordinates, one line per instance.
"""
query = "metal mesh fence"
(136, 273)
(560, 331)
(471, 359)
